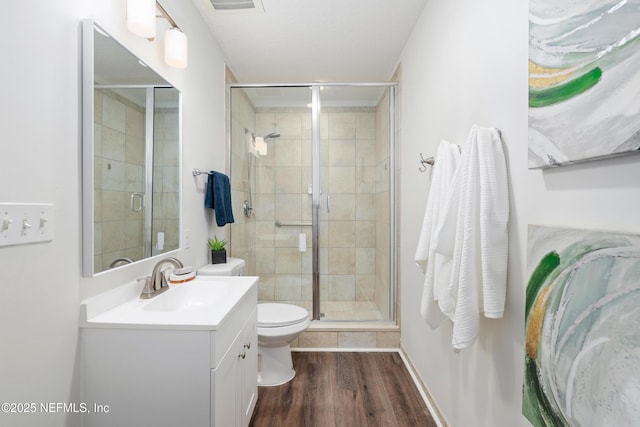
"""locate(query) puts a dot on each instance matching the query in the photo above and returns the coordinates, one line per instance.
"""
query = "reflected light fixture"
(175, 48)
(141, 21)
(141, 17)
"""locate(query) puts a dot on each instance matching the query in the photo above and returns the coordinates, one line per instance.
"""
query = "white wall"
(466, 63)
(40, 124)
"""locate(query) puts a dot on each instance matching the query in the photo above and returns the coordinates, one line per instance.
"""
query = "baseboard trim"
(424, 391)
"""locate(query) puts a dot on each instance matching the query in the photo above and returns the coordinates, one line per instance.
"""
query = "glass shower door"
(271, 168)
(355, 203)
(319, 233)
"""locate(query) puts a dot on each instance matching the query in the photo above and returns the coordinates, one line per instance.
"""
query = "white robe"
(433, 264)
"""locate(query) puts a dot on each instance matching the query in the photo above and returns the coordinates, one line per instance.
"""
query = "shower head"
(272, 135)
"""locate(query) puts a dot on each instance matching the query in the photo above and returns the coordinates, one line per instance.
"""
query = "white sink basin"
(203, 303)
(188, 296)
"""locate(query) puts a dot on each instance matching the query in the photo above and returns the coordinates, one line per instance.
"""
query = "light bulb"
(175, 48)
(141, 17)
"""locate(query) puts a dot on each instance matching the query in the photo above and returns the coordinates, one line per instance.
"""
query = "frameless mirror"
(131, 156)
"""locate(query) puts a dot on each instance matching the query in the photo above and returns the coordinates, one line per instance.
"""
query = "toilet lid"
(276, 314)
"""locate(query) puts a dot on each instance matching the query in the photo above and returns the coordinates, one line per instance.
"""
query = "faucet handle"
(158, 276)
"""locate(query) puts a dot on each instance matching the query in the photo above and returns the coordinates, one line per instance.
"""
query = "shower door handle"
(328, 203)
(140, 198)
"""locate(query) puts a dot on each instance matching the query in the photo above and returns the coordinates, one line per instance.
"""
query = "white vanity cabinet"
(234, 380)
(171, 375)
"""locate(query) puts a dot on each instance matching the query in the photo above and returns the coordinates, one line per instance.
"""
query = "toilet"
(233, 267)
(278, 325)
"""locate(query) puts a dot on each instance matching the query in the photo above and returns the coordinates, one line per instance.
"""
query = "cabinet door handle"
(248, 346)
(243, 355)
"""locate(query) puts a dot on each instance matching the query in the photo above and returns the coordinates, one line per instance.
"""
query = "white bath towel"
(473, 234)
(432, 264)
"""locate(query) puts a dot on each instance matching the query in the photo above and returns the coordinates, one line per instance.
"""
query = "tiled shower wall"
(243, 229)
(282, 179)
(349, 241)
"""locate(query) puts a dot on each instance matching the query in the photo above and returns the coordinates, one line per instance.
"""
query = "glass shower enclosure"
(312, 175)
(136, 181)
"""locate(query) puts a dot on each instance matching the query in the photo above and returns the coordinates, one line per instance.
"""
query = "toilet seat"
(275, 315)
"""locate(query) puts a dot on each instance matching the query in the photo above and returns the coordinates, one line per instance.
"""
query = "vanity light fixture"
(175, 48)
(141, 20)
(175, 42)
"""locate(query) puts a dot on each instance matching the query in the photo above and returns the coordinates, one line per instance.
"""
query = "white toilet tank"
(233, 267)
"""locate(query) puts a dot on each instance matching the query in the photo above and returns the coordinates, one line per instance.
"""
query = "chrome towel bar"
(292, 223)
(197, 172)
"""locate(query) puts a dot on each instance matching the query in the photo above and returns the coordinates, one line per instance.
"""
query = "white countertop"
(201, 304)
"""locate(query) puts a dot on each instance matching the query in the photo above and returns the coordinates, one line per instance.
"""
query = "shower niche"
(316, 163)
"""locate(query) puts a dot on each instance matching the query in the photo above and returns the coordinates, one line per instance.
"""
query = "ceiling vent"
(241, 5)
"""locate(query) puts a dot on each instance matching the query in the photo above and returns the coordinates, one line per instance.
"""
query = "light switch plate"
(187, 238)
(22, 223)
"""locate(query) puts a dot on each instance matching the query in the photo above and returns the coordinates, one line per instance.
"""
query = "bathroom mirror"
(131, 154)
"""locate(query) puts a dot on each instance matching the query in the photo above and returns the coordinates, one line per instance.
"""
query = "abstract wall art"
(584, 84)
(582, 333)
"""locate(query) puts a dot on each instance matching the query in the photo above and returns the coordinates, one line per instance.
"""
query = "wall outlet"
(187, 238)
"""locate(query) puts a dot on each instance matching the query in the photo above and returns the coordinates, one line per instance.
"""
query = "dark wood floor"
(344, 389)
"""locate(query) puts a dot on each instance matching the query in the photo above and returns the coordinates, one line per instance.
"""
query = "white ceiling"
(290, 41)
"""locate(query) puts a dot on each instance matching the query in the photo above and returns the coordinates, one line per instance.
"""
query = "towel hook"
(424, 162)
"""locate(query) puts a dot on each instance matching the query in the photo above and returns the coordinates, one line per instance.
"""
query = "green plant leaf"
(216, 244)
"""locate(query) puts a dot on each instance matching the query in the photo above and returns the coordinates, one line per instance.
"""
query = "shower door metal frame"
(149, 136)
(316, 106)
(315, 196)
(393, 206)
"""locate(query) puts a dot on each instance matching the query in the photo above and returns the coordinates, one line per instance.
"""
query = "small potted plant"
(218, 251)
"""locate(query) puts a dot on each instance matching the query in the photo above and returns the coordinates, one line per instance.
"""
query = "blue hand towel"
(218, 197)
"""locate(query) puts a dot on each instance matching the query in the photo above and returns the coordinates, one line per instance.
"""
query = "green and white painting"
(582, 328)
(584, 84)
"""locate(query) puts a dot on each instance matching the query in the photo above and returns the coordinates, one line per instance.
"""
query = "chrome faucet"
(157, 282)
